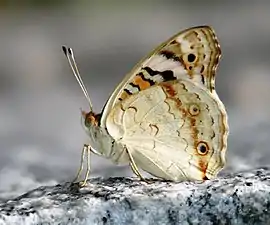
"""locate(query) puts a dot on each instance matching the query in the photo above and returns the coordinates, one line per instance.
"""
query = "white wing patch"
(161, 63)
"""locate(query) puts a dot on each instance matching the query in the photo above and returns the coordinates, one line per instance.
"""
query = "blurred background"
(41, 136)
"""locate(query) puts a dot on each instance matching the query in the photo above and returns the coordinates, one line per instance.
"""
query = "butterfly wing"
(191, 54)
(175, 130)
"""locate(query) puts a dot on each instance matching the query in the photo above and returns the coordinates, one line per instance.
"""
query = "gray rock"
(242, 198)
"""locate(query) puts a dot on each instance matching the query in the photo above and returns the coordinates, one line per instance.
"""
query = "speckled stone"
(242, 198)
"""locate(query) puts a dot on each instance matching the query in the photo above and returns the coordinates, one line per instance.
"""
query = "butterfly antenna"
(73, 65)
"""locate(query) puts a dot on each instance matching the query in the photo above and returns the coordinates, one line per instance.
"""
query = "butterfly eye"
(194, 110)
(202, 148)
(87, 121)
(85, 118)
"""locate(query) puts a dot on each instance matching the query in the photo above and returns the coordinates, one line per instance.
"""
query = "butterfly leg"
(86, 148)
(81, 163)
(134, 166)
(83, 183)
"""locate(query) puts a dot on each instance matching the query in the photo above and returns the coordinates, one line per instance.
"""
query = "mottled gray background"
(40, 130)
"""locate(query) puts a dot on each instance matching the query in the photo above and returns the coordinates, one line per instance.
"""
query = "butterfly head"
(90, 119)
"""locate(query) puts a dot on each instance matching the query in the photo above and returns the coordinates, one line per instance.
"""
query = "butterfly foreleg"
(134, 166)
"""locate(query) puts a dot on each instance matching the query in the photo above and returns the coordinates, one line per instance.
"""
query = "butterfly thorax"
(101, 141)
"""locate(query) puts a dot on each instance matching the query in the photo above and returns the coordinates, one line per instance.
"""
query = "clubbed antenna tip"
(64, 48)
(71, 60)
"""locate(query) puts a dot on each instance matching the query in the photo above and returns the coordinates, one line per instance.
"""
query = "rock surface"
(242, 198)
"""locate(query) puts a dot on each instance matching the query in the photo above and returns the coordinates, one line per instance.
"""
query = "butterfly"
(165, 117)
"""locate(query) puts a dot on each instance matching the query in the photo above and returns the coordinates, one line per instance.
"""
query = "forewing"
(191, 54)
(166, 125)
